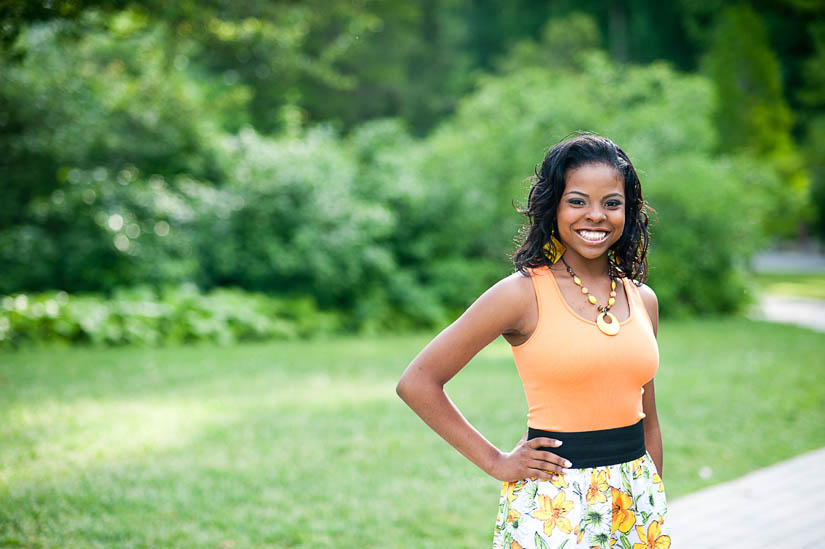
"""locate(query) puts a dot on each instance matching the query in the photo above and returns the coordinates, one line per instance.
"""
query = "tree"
(751, 113)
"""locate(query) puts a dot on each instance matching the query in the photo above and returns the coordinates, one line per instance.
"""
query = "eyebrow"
(620, 195)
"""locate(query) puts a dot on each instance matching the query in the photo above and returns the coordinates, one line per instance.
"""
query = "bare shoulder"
(505, 304)
(499, 310)
(518, 305)
(516, 287)
(649, 297)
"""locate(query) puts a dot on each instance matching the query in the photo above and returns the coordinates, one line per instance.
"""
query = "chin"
(592, 254)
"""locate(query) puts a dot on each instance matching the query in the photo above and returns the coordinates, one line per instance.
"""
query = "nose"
(596, 214)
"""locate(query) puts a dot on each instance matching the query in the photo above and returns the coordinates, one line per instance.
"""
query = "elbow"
(402, 388)
(412, 386)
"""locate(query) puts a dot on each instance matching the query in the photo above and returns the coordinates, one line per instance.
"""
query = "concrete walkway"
(801, 311)
(741, 513)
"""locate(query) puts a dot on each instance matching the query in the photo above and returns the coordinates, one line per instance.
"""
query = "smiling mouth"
(593, 236)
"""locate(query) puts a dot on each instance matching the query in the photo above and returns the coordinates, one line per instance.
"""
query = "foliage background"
(364, 158)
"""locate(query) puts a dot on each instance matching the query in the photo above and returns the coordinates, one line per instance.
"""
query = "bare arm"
(499, 310)
(653, 433)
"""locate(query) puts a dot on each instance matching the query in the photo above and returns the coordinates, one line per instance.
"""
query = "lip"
(594, 242)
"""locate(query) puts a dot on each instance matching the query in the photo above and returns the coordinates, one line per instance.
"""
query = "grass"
(306, 444)
(797, 284)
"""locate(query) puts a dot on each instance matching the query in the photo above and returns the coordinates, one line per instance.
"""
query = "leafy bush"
(107, 229)
(176, 314)
(96, 139)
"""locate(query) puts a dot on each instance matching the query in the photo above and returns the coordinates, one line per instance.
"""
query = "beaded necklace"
(605, 320)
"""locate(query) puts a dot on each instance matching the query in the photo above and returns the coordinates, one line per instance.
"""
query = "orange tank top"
(575, 377)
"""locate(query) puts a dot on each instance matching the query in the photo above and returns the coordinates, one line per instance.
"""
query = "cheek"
(619, 221)
(567, 213)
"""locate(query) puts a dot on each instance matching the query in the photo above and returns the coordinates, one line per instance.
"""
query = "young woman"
(582, 326)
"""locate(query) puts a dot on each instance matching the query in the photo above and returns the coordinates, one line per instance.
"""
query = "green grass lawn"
(799, 284)
(307, 445)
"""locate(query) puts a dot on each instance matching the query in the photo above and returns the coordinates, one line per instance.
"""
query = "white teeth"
(595, 236)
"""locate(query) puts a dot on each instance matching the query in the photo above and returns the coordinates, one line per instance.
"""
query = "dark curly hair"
(629, 257)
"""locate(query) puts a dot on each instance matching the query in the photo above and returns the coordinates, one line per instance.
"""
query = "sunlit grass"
(798, 284)
(307, 445)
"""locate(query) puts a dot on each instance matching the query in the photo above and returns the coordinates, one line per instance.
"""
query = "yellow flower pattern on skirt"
(620, 506)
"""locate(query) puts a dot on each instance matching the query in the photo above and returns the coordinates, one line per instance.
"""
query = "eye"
(576, 201)
(613, 203)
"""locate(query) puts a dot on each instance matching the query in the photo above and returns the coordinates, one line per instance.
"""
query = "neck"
(589, 268)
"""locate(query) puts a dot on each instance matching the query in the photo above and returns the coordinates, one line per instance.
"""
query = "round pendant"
(608, 324)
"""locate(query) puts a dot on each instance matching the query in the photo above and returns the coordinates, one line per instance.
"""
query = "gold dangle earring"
(554, 249)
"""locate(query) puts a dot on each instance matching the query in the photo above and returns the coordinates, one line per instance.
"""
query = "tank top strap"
(637, 304)
(546, 294)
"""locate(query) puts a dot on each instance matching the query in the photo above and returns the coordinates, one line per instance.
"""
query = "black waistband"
(597, 448)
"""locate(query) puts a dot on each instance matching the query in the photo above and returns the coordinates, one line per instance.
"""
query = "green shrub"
(708, 228)
(106, 229)
(143, 316)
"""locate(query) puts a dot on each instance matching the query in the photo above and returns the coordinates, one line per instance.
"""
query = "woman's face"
(592, 209)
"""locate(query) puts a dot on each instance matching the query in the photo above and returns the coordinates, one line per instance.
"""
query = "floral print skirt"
(611, 506)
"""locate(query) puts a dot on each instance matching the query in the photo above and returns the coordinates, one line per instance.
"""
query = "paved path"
(740, 513)
(796, 261)
(802, 311)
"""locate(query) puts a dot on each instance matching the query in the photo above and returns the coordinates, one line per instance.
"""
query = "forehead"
(594, 179)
